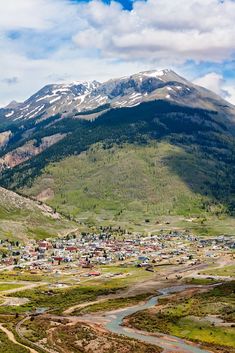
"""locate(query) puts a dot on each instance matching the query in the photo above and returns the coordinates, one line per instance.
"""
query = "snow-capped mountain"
(50, 100)
(78, 97)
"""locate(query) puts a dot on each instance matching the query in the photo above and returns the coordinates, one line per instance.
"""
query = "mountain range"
(142, 146)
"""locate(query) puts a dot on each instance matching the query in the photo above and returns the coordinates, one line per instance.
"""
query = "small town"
(85, 254)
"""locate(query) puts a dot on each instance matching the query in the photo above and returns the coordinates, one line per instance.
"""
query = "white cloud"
(211, 81)
(174, 31)
(216, 83)
(34, 14)
(92, 40)
(231, 92)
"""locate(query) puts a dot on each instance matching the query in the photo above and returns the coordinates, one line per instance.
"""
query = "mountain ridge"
(76, 97)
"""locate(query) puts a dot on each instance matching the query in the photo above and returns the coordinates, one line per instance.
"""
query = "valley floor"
(112, 291)
(83, 318)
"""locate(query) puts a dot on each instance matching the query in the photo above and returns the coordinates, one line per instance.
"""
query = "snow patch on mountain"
(70, 99)
(9, 114)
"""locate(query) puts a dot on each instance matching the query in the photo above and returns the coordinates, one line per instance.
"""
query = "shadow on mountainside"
(206, 162)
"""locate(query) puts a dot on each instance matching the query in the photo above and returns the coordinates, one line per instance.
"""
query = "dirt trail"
(25, 285)
(83, 305)
(71, 309)
(37, 345)
(11, 337)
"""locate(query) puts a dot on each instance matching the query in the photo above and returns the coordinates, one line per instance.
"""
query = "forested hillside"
(153, 158)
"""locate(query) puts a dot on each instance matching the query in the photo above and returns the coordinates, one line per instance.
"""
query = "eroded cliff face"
(9, 200)
(27, 151)
(4, 138)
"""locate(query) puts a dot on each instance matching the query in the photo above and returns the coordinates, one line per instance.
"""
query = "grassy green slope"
(128, 182)
(21, 217)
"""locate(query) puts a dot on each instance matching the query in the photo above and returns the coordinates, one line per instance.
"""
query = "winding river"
(167, 342)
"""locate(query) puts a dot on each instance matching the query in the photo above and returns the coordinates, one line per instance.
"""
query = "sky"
(56, 41)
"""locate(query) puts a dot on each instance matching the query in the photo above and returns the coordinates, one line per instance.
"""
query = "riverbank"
(203, 317)
(93, 328)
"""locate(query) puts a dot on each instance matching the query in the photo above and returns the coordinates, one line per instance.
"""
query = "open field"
(19, 275)
(223, 271)
(9, 286)
(58, 299)
(201, 281)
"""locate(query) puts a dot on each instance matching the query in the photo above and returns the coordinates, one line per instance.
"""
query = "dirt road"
(11, 337)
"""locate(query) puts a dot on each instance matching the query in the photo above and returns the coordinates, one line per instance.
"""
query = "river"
(167, 342)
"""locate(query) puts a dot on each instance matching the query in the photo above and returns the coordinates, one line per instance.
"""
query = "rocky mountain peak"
(70, 99)
(13, 105)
